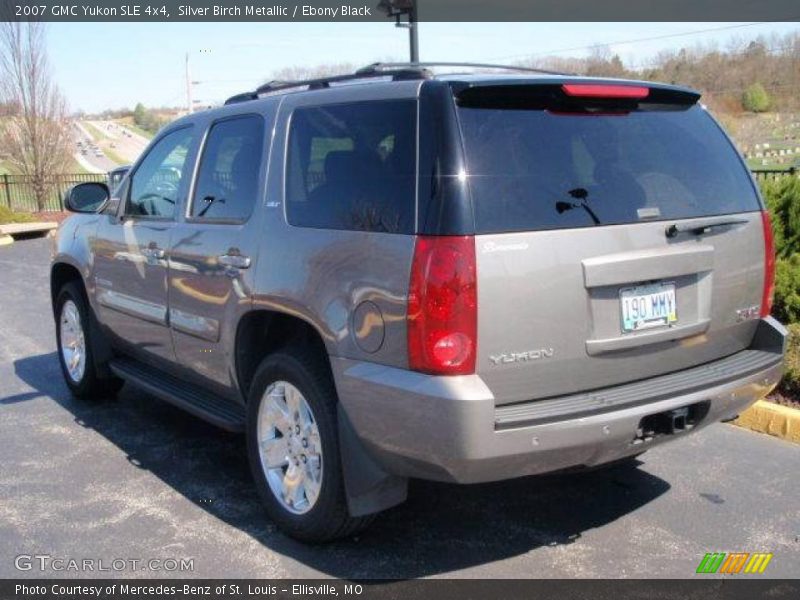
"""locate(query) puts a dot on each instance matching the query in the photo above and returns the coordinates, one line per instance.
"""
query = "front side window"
(227, 182)
(155, 184)
(352, 166)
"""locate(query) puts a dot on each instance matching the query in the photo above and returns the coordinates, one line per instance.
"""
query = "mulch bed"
(784, 400)
(48, 216)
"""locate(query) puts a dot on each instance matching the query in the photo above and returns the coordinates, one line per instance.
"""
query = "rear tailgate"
(594, 266)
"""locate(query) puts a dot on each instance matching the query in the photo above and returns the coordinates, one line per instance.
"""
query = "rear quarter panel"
(323, 276)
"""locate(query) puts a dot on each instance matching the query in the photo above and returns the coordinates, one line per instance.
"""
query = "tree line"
(747, 75)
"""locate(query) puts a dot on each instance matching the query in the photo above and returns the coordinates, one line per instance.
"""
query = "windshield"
(533, 169)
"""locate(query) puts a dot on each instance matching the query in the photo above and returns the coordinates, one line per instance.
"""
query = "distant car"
(115, 176)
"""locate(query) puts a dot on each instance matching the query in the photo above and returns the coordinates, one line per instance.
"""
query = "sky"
(115, 65)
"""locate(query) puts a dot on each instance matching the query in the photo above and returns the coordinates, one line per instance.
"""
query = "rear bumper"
(448, 428)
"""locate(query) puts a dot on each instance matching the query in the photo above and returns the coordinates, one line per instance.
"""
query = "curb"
(7, 231)
(773, 419)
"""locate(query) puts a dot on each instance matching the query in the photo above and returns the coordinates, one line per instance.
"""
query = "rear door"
(213, 251)
(618, 237)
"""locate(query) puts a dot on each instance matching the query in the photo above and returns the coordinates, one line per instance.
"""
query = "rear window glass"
(352, 166)
(535, 169)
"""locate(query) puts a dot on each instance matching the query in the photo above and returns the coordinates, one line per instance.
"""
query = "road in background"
(100, 146)
(133, 477)
(87, 152)
(123, 142)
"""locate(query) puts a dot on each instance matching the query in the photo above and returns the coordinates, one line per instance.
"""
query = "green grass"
(790, 385)
(113, 156)
(73, 166)
(8, 216)
(129, 124)
(755, 165)
(104, 142)
(96, 133)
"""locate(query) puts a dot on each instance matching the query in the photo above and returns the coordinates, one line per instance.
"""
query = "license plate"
(648, 306)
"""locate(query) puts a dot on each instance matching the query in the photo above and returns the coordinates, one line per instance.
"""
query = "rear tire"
(75, 347)
(293, 447)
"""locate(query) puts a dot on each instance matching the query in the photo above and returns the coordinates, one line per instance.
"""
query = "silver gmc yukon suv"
(393, 274)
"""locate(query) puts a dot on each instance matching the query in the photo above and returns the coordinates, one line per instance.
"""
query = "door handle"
(234, 260)
(153, 251)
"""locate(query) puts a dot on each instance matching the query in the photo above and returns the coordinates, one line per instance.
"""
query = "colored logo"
(734, 562)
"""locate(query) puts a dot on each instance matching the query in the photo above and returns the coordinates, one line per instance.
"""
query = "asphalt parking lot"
(134, 478)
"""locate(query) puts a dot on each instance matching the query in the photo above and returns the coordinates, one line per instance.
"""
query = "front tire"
(293, 447)
(75, 348)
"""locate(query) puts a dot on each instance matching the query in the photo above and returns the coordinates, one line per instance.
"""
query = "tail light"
(594, 90)
(443, 306)
(769, 265)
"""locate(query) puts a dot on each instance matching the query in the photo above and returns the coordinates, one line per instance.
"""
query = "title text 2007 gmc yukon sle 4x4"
(463, 277)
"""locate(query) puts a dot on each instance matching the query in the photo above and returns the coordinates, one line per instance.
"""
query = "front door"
(131, 249)
(213, 251)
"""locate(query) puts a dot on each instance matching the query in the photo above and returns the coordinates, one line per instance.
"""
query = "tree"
(139, 114)
(298, 73)
(35, 139)
(755, 98)
(147, 119)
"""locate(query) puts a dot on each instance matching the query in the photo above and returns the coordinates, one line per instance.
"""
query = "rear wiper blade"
(700, 226)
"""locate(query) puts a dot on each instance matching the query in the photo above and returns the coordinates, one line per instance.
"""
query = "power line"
(634, 41)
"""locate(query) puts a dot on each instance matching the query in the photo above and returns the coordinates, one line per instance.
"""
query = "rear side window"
(532, 169)
(227, 180)
(352, 166)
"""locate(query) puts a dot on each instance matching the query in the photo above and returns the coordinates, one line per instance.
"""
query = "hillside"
(724, 76)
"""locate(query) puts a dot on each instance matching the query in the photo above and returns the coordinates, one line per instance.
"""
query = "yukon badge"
(516, 357)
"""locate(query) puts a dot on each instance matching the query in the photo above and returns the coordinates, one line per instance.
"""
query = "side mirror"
(88, 197)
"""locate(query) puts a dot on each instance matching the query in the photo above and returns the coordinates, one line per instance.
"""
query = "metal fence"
(772, 174)
(16, 191)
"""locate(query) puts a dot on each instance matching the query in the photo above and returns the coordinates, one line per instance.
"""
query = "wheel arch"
(62, 273)
(368, 487)
(261, 332)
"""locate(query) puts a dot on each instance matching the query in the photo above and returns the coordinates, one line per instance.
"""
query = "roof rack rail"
(402, 73)
(243, 97)
(398, 71)
(380, 66)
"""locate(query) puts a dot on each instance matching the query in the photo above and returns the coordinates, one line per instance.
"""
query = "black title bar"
(426, 10)
(441, 589)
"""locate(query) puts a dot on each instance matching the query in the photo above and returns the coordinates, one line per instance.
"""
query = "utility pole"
(413, 38)
(398, 8)
(189, 103)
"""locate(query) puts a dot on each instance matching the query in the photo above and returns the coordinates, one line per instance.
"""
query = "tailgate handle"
(702, 226)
